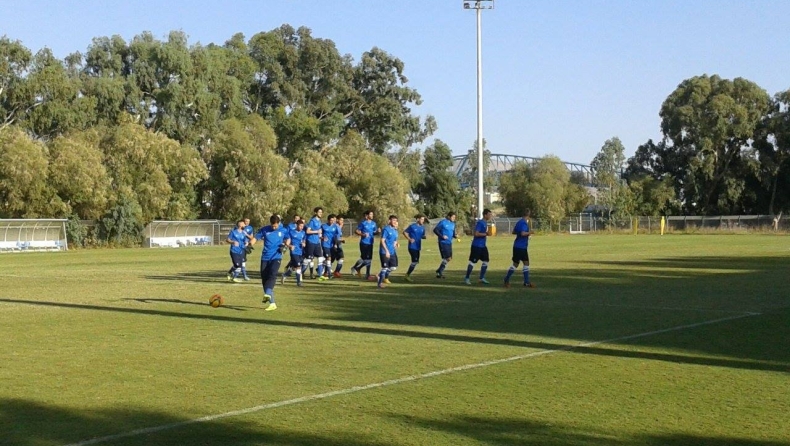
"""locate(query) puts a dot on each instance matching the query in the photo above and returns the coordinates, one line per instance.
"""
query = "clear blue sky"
(560, 77)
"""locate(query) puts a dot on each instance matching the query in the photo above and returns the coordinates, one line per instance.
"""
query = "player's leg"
(272, 267)
(383, 273)
(415, 259)
(446, 252)
(484, 259)
(339, 256)
(244, 266)
(238, 260)
(473, 258)
(516, 259)
(367, 257)
(525, 271)
(392, 265)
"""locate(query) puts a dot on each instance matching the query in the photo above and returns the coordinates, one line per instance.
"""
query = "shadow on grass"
(770, 363)
(26, 423)
(514, 431)
(184, 302)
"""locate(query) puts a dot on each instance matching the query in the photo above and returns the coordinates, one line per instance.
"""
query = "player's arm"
(231, 241)
(407, 234)
(384, 246)
(480, 234)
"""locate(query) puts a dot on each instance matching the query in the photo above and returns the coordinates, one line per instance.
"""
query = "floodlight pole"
(479, 6)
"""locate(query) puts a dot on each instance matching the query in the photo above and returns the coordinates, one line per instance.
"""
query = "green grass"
(104, 342)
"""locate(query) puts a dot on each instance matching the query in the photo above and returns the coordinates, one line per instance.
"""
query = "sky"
(560, 77)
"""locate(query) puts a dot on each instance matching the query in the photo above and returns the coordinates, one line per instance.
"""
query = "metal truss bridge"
(502, 163)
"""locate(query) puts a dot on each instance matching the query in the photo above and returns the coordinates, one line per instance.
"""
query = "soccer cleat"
(507, 284)
(380, 285)
(529, 285)
(246, 278)
(282, 279)
(236, 280)
(483, 281)
(467, 281)
(439, 275)
(299, 284)
(337, 275)
(355, 272)
(271, 307)
(322, 278)
(266, 298)
(387, 281)
(373, 278)
(230, 278)
(407, 278)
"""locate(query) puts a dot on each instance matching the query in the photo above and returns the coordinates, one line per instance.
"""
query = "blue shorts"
(326, 252)
(313, 250)
(366, 251)
(446, 250)
(415, 255)
(520, 255)
(337, 253)
(296, 261)
(478, 253)
(391, 262)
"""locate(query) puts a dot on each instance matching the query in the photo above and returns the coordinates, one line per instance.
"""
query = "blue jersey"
(292, 226)
(481, 226)
(367, 227)
(237, 235)
(272, 239)
(338, 235)
(297, 238)
(445, 228)
(315, 225)
(328, 235)
(521, 242)
(249, 230)
(416, 232)
(389, 236)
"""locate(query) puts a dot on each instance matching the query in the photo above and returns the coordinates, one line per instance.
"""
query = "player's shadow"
(202, 276)
(147, 300)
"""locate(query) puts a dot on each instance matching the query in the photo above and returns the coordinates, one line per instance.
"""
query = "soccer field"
(681, 339)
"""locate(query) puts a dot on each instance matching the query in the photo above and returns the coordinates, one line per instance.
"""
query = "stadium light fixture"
(479, 6)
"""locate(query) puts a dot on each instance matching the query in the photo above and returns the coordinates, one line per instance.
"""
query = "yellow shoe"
(387, 281)
(271, 307)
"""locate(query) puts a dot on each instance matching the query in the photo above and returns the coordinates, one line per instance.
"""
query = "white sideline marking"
(319, 396)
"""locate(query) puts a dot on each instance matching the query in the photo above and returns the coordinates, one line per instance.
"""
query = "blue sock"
(320, 269)
(339, 266)
(411, 268)
(382, 275)
(483, 269)
(269, 292)
(525, 270)
(469, 269)
(442, 266)
(509, 274)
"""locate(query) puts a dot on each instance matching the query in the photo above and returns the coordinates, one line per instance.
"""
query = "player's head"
(368, 215)
(300, 225)
(318, 211)
(240, 224)
(419, 219)
(526, 213)
(275, 221)
(340, 220)
(246, 222)
(451, 216)
(331, 219)
(297, 218)
(393, 220)
(487, 214)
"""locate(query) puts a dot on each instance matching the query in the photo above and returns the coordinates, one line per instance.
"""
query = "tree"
(708, 122)
(246, 177)
(772, 142)
(77, 172)
(24, 191)
(14, 62)
(438, 189)
(651, 196)
(607, 167)
(316, 187)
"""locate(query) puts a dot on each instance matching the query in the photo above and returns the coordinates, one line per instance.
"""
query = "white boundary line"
(320, 396)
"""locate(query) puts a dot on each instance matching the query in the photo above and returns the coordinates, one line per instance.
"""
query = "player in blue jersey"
(415, 233)
(275, 241)
(313, 251)
(296, 246)
(250, 231)
(237, 239)
(388, 250)
(328, 231)
(446, 232)
(337, 247)
(520, 250)
(366, 229)
(292, 227)
(479, 250)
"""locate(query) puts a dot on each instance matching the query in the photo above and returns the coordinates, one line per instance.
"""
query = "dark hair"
(317, 208)
(486, 211)
(419, 216)
(368, 212)
(300, 222)
(450, 214)
(239, 221)
(274, 219)
(331, 216)
(297, 217)
(526, 212)
(393, 217)
(340, 216)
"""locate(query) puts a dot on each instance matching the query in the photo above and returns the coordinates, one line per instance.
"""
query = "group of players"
(317, 245)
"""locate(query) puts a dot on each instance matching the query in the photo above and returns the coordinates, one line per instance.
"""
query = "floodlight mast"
(479, 6)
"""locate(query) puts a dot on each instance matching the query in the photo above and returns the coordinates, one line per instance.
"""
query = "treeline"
(725, 151)
(148, 129)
